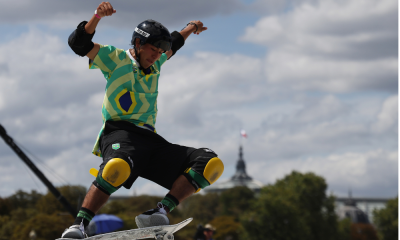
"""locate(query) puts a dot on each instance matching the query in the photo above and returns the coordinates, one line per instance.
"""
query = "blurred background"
(313, 83)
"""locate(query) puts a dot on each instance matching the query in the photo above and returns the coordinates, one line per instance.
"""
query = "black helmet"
(153, 32)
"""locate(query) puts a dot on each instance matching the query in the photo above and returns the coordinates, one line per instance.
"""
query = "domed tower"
(240, 178)
(241, 174)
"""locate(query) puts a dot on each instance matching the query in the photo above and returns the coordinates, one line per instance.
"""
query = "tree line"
(295, 207)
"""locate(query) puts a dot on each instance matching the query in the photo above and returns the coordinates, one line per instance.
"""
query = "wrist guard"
(79, 41)
(177, 42)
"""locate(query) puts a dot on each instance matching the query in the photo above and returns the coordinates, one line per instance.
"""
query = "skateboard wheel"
(159, 237)
(168, 236)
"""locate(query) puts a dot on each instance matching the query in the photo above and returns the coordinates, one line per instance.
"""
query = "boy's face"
(149, 54)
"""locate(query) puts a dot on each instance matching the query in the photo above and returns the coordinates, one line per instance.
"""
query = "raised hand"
(105, 9)
(200, 27)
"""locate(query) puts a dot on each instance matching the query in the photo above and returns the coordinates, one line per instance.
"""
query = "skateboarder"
(128, 142)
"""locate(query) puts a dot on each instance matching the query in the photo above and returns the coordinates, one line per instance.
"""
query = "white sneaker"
(153, 217)
(74, 232)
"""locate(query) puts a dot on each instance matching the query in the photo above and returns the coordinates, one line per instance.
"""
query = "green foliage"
(45, 226)
(203, 208)
(387, 220)
(344, 229)
(22, 212)
(6, 227)
(114, 207)
(12, 223)
(73, 194)
(5, 206)
(222, 210)
(22, 199)
(296, 207)
(236, 201)
(226, 228)
(142, 203)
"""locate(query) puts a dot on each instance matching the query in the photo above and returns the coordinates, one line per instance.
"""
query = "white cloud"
(208, 82)
(352, 170)
(64, 15)
(314, 26)
(212, 72)
(307, 129)
(322, 125)
(267, 7)
(332, 46)
(50, 104)
(387, 119)
(302, 72)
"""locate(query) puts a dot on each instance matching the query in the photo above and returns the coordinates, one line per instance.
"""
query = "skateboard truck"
(164, 235)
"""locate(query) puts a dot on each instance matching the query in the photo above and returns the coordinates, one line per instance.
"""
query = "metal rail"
(38, 173)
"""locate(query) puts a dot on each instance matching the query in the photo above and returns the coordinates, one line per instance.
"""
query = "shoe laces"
(82, 228)
(161, 208)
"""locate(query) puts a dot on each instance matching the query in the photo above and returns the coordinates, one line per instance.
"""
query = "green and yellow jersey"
(130, 94)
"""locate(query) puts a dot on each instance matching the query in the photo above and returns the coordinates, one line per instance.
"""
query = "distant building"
(240, 178)
(350, 210)
(359, 210)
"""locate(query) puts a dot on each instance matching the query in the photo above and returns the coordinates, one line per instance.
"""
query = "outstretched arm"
(104, 9)
(195, 27)
(80, 40)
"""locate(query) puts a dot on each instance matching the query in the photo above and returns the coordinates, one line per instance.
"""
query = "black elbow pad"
(177, 42)
(79, 41)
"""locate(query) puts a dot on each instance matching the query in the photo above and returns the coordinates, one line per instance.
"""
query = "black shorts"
(153, 157)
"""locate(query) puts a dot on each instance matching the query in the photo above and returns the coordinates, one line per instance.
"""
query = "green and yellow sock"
(170, 201)
(85, 216)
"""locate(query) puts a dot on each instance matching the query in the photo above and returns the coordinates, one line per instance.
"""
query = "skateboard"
(164, 232)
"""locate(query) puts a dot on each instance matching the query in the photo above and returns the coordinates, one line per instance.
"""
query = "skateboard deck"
(164, 232)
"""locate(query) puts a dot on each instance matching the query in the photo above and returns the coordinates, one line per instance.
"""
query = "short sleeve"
(107, 58)
(161, 61)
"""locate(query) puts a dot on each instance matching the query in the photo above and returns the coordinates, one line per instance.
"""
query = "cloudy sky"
(313, 82)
